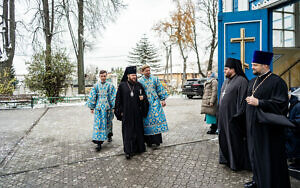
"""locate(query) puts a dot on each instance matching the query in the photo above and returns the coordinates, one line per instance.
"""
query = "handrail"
(289, 68)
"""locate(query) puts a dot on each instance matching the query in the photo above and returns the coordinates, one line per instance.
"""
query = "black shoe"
(156, 146)
(250, 184)
(109, 139)
(127, 155)
(223, 162)
(211, 132)
(294, 166)
(98, 148)
(149, 145)
(294, 172)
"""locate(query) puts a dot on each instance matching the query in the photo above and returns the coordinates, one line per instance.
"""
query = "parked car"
(194, 87)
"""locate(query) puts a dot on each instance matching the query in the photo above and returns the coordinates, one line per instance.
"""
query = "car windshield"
(195, 81)
(190, 82)
(203, 81)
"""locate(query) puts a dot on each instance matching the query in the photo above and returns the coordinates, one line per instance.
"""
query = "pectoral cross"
(242, 40)
(223, 94)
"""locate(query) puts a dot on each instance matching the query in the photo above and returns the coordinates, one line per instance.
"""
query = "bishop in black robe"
(130, 109)
(266, 142)
(231, 124)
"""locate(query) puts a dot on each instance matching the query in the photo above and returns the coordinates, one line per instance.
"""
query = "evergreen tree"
(8, 81)
(37, 78)
(145, 53)
(119, 72)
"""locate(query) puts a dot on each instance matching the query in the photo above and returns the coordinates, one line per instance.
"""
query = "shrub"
(49, 82)
(7, 81)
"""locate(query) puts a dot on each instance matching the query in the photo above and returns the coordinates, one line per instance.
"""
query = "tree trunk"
(48, 81)
(80, 59)
(5, 22)
(212, 23)
(197, 52)
(48, 34)
(198, 61)
(12, 33)
(167, 64)
(184, 77)
(211, 55)
(67, 14)
(9, 33)
(171, 66)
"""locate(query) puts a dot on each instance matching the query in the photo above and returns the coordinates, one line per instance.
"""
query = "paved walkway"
(52, 148)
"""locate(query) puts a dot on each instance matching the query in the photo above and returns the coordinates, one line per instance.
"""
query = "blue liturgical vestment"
(155, 122)
(102, 100)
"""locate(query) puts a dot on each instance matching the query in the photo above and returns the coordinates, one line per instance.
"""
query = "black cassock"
(130, 110)
(231, 124)
(267, 142)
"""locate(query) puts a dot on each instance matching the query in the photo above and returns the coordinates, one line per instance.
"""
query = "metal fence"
(40, 102)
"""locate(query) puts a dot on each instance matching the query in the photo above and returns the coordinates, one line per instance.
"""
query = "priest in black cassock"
(130, 107)
(267, 94)
(231, 124)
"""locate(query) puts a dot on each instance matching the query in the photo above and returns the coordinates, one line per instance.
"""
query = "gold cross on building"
(242, 40)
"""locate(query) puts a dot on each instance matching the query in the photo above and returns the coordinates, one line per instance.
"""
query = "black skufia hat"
(128, 70)
(236, 65)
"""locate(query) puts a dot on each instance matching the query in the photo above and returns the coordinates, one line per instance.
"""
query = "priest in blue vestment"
(155, 123)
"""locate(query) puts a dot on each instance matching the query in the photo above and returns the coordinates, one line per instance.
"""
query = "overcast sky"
(120, 37)
(115, 42)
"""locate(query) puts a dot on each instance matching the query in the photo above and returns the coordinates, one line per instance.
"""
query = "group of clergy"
(251, 117)
(137, 103)
(251, 122)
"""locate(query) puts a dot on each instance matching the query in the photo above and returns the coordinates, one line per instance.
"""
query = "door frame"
(253, 16)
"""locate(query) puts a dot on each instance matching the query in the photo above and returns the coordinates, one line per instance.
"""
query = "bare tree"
(81, 16)
(48, 26)
(182, 22)
(44, 26)
(165, 32)
(209, 9)
(9, 34)
(191, 8)
(91, 17)
(168, 54)
(80, 58)
(91, 73)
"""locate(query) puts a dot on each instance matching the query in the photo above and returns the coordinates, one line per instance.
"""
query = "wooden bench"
(17, 99)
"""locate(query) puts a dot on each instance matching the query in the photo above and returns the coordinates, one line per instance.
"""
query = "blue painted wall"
(229, 27)
(228, 31)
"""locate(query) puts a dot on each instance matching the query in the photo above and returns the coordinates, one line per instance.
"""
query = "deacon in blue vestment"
(101, 101)
(155, 123)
